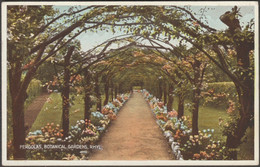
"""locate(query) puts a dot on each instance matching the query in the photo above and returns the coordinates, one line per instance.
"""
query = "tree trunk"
(87, 99)
(115, 91)
(245, 97)
(18, 127)
(170, 98)
(87, 107)
(196, 97)
(142, 85)
(18, 99)
(195, 112)
(181, 105)
(18, 94)
(160, 90)
(98, 95)
(246, 101)
(106, 93)
(112, 91)
(120, 88)
(66, 93)
(165, 94)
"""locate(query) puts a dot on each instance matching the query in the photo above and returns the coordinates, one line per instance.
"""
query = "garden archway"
(151, 23)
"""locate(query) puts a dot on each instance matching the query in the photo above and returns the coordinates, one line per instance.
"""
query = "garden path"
(134, 135)
(33, 110)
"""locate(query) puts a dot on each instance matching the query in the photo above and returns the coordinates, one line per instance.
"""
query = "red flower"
(203, 154)
(196, 156)
(176, 136)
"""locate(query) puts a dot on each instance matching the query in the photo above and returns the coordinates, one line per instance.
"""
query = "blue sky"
(90, 39)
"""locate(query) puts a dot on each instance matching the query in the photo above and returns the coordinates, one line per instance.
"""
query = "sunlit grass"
(136, 87)
(52, 112)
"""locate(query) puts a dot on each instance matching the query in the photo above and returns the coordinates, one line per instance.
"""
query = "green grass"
(136, 87)
(208, 119)
(52, 112)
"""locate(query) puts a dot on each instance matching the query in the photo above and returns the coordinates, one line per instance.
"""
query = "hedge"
(34, 89)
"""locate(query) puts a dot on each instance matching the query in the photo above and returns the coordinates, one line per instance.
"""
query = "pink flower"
(172, 113)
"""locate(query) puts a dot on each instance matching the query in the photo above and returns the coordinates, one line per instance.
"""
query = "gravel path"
(33, 110)
(134, 135)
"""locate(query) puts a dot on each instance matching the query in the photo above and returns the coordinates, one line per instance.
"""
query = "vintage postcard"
(130, 83)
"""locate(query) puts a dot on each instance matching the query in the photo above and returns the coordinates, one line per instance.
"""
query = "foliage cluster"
(218, 94)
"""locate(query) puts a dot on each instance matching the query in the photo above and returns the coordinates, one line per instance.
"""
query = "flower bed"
(178, 133)
(48, 142)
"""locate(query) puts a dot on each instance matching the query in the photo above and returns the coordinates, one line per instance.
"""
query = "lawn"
(137, 87)
(52, 111)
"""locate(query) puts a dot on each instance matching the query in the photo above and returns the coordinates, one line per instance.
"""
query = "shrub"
(34, 88)
(96, 117)
(83, 133)
(49, 134)
(218, 94)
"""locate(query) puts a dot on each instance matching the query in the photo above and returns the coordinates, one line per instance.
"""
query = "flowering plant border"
(83, 133)
(178, 133)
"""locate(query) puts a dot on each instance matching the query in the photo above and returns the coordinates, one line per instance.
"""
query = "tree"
(165, 92)
(66, 92)
(88, 90)
(170, 97)
(22, 65)
(243, 43)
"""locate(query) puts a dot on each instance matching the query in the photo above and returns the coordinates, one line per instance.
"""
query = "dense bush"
(49, 134)
(34, 89)
(96, 118)
(46, 71)
(218, 94)
(54, 147)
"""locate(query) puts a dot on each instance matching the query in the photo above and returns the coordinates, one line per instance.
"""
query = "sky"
(90, 39)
